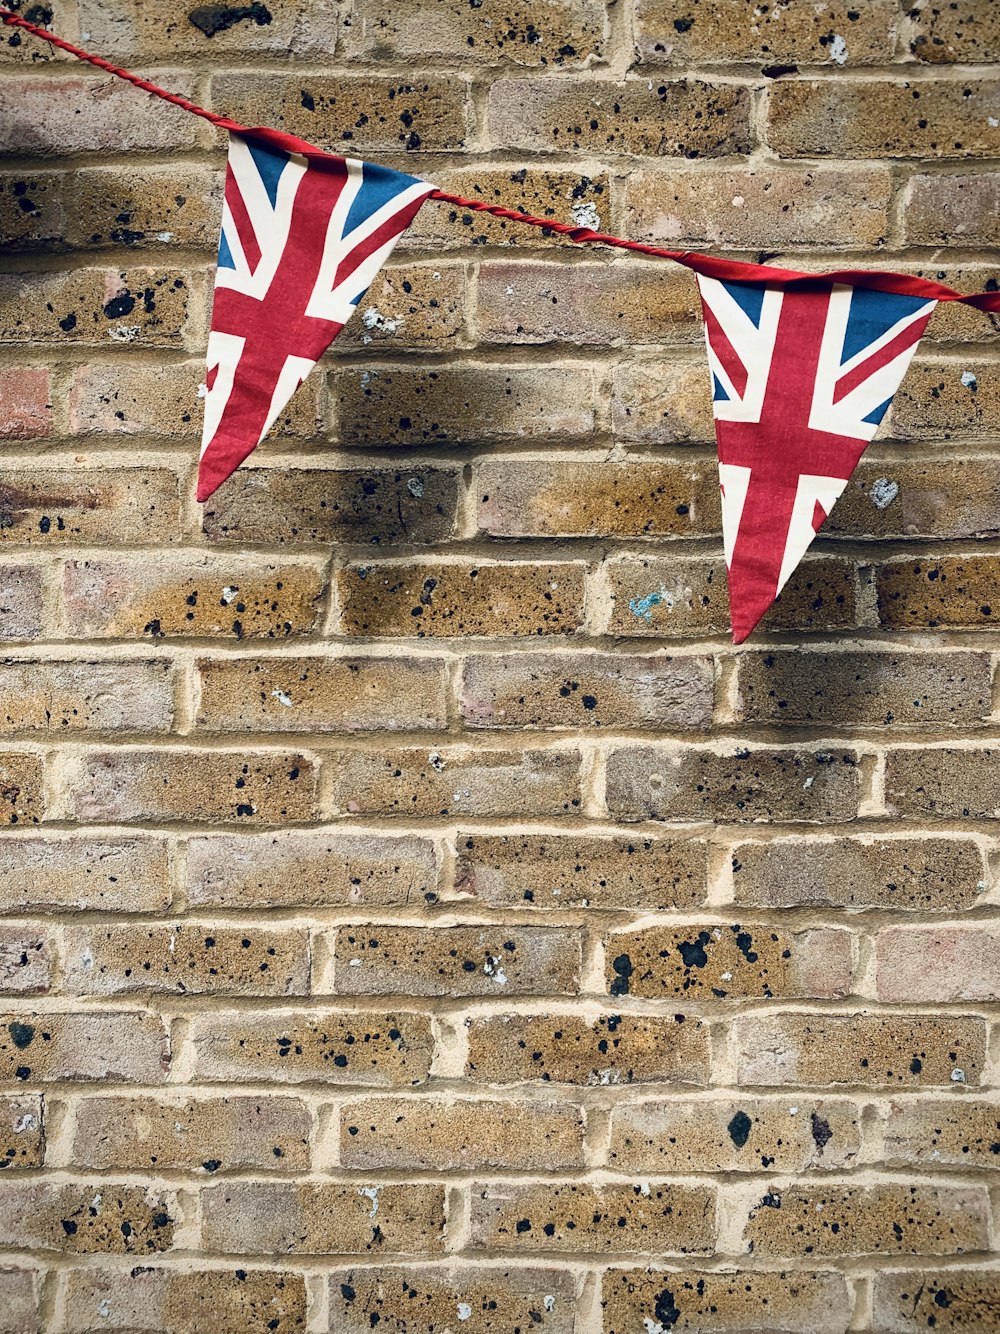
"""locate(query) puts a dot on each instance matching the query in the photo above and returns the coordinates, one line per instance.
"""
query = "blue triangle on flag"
(270, 164)
(378, 186)
(750, 296)
(718, 393)
(873, 314)
(225, 254)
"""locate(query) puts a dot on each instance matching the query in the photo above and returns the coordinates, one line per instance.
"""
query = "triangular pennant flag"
(801, 378)
(303, 235)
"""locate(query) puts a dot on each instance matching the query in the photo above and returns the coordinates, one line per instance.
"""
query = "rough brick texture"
(414, 914)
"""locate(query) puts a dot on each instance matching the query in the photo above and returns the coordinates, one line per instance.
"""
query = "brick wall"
(415, 913)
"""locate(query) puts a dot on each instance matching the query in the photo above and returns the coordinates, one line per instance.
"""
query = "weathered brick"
(758, 208)
(219, 1134)
(717, 1302)
(419, 308)
(661, 783)
(381, 1050)
(558, 1217)
(911, 1300)
(316, 694)
(901, 872)
(353, 113)
(143, 28)
(967, 34)
(952, 321)
(855, 118)
(25, 959)
(864, 1049)
(665, 596)
(906, 498)
(471, 598)
(661, 403)
(727, 960)
(290, 1218)
(189, 958)
(963, 210)
(457, 961)
(63, 697)
(799, 687)
(52, 114)
(225, 1301)
(25, 405)
(32, 209)
(939, 400)
(937, 964)
(948, 591)
(19, 1301)
(299, 506)
(21, 602)
(453, 405)
(22, 1137)
(887, 1219)
(87, 1217)
(943, 1132)
(455, 780)
(143, 206)
(141, 307)
(734, 1135)
(487, 1299)
(682, 118)
(84, 871)
(190, 595)
(58, 506)
(943, 784)
(22, 796)
(309, 868)
(570, 1049)
(460, 1134)
(528, 498)
(133, 1048)
(581, 871)
(267, 788)
(560, 690)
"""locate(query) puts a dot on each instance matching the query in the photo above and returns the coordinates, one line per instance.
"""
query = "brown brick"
(939, 400)
(19, 1294)
(887, 1219)
(943, 784)
(143, 206)
(660, 783)
(757, 208)
(581, 871)
(225, 1301)
(189, 958)
(268, 788)
(289, 1218)
(949, 591)
(907, 498)
(25, 959)
(360, 113)
(943, 1132)
(87, 1217)
(22, 796)
(380, 1050)
(133, 1048)
(44, 115)
(108, 873)
(966, 34)
(662, 403)
(662, 596)
(560, 690)
(191, 595)
(460, 1134)
(937, 964)
(863, 1049)
(682, 118)
(856, 118)
(473, 598)
(141, 307)
(528, 498)
(22, 1138)
(717, 1302)
(323, 506)
(62, 697)
(455, 780)
(619, 304)
(59, 506)
(454, 405)
(963, 210)
(909, 1301)
(414, 308)
(310, 868)
(558, 1217)
(544, 192)
(143, 28)
(901, 872)
(952, 321)
(734, 1135)
(321, 694)
(571, 1049)
(457, 961)
(803, 688)
(25, 405)
(32, 209)
(21, 602)
(487, 1299)
(219, 1134)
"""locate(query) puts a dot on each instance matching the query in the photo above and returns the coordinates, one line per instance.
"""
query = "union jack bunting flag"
(303, 235)
(801, 378)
